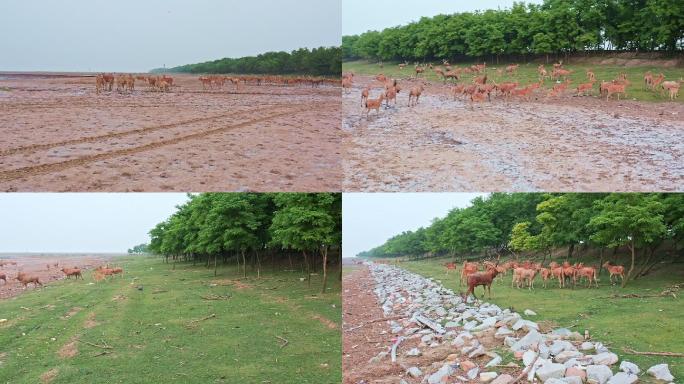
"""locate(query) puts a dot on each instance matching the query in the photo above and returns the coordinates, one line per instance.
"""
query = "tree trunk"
(571, 249)
(215, 258)
(601, 262)
(258, 264)
(308, 272)
(244, 263)
(325, 268)
(631, 268)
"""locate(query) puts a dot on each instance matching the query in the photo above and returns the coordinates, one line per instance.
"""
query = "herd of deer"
(482, 88)
(24, 278)
(218, 81)
(126, 82)
(524, 273)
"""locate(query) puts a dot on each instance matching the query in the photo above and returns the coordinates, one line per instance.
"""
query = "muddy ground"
(37, 265)
(563, 144)
(57, 134)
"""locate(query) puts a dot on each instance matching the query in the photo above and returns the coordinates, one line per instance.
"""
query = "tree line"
(283, 229)
(650, 225)
(323, 61)
(557, 27)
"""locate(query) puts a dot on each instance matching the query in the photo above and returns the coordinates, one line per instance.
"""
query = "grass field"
(527, 73)
(57, 334)
(641, 324)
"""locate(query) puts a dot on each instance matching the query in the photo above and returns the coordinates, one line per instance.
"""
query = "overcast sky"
(81, 222)
(359, 16)
(369, 219)
(136, 36)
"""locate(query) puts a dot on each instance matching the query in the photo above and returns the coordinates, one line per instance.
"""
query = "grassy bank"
(641, 324)
(527, 73)
(157, 324)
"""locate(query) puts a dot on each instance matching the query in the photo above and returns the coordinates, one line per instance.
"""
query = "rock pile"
(475, 334)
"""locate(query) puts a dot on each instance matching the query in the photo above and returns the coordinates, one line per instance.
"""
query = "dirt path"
(360, 345)
(569, 144)
(58, 135)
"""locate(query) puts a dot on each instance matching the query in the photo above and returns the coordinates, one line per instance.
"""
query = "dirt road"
(57, 134)
(565, 144)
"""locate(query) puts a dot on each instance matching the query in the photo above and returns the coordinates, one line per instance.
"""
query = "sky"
(81, 222)
(369, 219)
(136, 36)
(359, 16)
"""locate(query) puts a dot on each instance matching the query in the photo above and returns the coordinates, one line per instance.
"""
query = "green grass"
(527, 73)
(152, 335)
(642, 324)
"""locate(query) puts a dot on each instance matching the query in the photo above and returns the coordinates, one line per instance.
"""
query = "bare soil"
(37, 265)
(57, 134)
(578, 144)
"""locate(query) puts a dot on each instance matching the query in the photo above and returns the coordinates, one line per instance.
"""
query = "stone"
(598, 374)
(467, 365)
(510, 341)
(427, 338)
(572, 363)
(567, 355)
(550, 370)
(600, 348)
(629, 367)
(572, 379)
(502, 333)
(587, 346)
(451, 324)
(528, 357)
(486, 377)
(472, 374)
(415, 372)
(503, 379)
(661, 372)
(441, 312)
(378, 358)
(487, 323)
(559, 346)
(554, 380)
(452, 358)
(605, 358)
(623, 378)
(532, 337)
(576, 372)
(495, 361)
(529, 312)
(414, 352)
(479, 351)
(525, 324)
(470, 325)
(563, 332)
(441, 375)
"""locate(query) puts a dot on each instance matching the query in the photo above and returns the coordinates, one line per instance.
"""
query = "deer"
(415, 93)
(583, 88)
(588, 272)
(364, 96)
(449, 266)
(27, 279)
(374, 104)
(615, 270)
(483, 279)
(3, 277)
(672, 87)
(72, 272)
(467, 270)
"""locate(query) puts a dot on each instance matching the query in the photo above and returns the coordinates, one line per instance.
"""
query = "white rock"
(623, 378)
(567, 355)
(532, 337)
(528, 357)
(550, 370)
(529, 312)
(486, 323)
(554, 380)
(559, 346)
(486, 377)
(441, 375)
(587, 346)
(598, 374)
(495, 361)
(605, 358)
(526, 324)
(414, 352)
(451, 324)
(661, 372)
(415, 372)
(479, 351)
(572, 380)
(472, 374)
(502, 333)
(503, 379)
(629, 367)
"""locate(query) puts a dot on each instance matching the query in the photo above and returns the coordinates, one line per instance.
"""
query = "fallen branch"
(105, 346)
(669, 354)
(102, 353)
(525, 371)
(429, 323)
(195, 322)
(284, 340)
(216, 297)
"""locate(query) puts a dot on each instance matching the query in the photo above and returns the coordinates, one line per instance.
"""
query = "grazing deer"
(27, 279)
(672, 87)
(72, 272)
(364, 96)
(583, 88)
(415, 93)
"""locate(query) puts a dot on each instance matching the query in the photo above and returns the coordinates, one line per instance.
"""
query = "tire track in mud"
(116, 135)
(55, 167)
